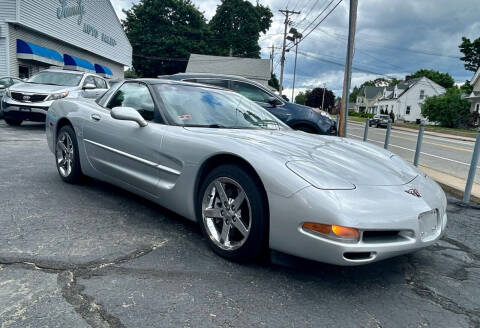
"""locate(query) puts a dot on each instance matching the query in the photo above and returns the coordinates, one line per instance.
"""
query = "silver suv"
(31, 100)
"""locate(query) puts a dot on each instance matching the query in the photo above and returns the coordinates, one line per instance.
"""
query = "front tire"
(13, 122)
(232, 214)
(66, 155)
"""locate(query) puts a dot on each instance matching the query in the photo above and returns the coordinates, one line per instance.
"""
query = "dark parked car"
(296, 116)
(379, 120)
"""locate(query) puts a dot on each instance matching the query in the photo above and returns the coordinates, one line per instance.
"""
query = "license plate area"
(430, 225)
(25, 109)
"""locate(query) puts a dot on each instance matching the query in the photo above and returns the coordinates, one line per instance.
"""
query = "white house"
(475, 95)
(407, 97)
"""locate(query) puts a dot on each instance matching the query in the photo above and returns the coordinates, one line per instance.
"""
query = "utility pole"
(287, 13)
(272, 57)
(294, 72)
(342, 126)
(323, 95)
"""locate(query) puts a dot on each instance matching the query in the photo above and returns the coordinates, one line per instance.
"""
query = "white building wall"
(7, 12)
(412, 98)
(42, 16)
(20, 32)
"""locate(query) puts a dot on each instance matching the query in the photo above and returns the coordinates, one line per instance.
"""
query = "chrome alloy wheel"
(65, 154)
(226, 213)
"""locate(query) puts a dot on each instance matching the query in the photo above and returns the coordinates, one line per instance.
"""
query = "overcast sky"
(394, 38)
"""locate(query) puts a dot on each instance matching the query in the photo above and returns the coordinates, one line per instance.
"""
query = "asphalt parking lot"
(93, 255)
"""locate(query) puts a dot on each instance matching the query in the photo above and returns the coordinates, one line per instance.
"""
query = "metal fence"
(473, 164)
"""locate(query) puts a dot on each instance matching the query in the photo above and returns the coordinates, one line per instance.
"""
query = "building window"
(23, 72)
(478, 108)
(408, 110)
(422, 94)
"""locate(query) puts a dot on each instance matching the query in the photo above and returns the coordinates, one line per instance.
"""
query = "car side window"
(89, 80)
(135, 95)
(215, 82)
(250, 91)
(100, 83)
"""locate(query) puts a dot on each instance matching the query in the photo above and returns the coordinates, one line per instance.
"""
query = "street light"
(295, 37)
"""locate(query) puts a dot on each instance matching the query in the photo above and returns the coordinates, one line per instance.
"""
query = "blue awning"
(77, 63)
(27, 50)
(103, 70)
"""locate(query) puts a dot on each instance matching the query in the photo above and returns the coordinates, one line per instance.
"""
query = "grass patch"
(433, 128)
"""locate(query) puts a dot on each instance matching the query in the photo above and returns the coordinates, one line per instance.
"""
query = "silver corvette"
(250, 181)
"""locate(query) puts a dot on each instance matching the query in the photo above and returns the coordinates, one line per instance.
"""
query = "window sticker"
(185, 117)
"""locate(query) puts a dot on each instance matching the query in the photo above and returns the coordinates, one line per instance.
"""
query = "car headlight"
(322, 112)
(55, 96)
(318, 175)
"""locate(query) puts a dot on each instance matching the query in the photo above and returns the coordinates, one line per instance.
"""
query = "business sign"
(78, 9)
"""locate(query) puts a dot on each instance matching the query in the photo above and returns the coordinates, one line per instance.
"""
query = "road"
(442, 154)
(93, 255)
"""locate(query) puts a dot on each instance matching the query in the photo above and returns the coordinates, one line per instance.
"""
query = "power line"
(420, 51)
(328, 14)
(318, 16)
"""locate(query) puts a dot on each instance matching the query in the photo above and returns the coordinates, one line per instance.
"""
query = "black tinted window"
(135, 95)
(250, 91)
(216, 82)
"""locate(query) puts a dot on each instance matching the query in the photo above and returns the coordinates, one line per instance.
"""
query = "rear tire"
(232, 213)
(13, 122)
(67, 156)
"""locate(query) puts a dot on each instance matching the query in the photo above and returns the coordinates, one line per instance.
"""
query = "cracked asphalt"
(93, 255)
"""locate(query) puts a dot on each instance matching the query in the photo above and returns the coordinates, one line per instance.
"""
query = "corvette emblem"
(413, 192)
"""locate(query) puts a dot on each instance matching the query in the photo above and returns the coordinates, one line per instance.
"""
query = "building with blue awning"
(70, 34)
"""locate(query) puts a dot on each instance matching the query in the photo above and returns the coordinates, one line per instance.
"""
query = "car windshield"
(56, 78)
(384, 116)
(209, 107)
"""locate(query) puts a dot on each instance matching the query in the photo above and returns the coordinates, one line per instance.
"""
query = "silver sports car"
(251, 182)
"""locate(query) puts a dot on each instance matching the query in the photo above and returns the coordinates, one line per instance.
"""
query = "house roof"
(251, 68)
(370, 92)
(476, 77)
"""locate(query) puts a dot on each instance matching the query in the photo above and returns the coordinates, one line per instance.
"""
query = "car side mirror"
(128, 114)
(89, 86)
(274, 101)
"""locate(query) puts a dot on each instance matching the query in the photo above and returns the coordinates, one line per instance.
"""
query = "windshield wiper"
(265, 123)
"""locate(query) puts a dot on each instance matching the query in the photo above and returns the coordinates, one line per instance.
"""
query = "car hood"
(39, 88)
(313, 157)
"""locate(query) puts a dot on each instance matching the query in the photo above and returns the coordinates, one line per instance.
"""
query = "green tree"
(393, 82)
(443, 79)
(353, 95)
(273, 82)
(130, 74)
(301, 97)
(471, 53)
(237, 25)
(315, 98)
(163, 33)
(449, 109)
(466, 87)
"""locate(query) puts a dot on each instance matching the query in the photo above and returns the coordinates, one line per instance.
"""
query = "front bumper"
(367, 208)
(24, 111)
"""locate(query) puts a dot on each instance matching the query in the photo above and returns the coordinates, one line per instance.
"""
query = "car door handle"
(95, 117)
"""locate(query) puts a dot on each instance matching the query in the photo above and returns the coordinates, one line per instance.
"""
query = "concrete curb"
(452, 185)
